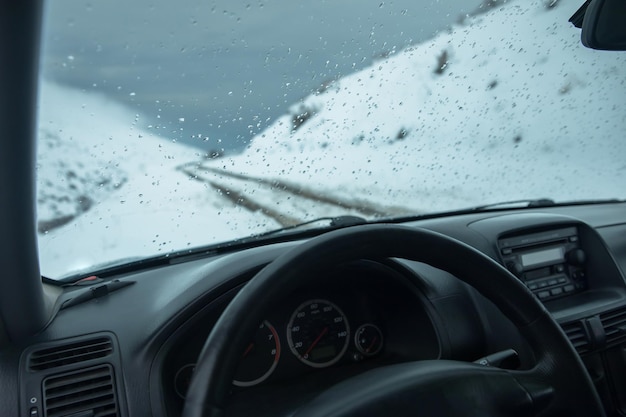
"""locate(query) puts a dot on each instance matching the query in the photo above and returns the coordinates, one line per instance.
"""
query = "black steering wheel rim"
(558, 362)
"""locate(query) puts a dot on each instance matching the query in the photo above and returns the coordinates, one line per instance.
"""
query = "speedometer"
(318, 333)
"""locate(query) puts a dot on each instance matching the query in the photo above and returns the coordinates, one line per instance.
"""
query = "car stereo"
(550, 263)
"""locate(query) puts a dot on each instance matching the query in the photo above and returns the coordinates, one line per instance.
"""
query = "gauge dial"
(318, 333)
(260, 357)
(182, 379)
(368, 339)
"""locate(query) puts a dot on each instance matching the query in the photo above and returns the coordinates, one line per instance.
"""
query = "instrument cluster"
(357, 317)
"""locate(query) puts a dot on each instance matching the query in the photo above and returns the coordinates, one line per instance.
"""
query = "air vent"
(614, 323)
(575, 332)
(89, 392)
(70, 353)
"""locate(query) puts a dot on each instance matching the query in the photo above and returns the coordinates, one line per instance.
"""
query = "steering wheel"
(558, 383)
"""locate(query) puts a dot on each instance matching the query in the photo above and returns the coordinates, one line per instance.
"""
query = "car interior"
(505, 311)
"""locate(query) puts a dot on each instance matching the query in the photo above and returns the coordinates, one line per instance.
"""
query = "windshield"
(167, 126)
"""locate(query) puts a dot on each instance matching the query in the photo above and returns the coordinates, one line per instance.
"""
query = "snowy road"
(286, 203)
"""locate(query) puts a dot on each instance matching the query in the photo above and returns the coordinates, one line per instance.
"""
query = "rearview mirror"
(604, 25)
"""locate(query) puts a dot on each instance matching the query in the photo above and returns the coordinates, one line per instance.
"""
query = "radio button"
(562, 280)
(568, 288)
(552, 282)
(507, 251)
(559, 269)
(532, 286)
(556, 291)
(543, 294)
(542, 284)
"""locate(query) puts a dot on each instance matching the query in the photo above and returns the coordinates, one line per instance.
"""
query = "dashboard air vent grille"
(89, 392)
(614, 323)
(70, 353)
(575, 332)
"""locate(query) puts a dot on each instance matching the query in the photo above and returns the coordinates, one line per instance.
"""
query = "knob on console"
(576, 257)
(515, 267)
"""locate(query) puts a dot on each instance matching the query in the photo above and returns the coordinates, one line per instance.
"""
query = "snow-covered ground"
(508, 105)
(139, 203)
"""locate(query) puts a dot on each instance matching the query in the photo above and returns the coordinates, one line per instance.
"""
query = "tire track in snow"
(299, 192)
(240, 199)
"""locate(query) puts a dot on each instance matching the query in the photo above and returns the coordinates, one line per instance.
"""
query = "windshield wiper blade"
(334, 222)
(96, 292)
(537, 202)
(541, 202)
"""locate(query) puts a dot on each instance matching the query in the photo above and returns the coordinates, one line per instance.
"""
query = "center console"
(551, 263)
(573, 267)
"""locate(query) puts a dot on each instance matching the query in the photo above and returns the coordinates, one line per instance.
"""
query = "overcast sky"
(214, 73)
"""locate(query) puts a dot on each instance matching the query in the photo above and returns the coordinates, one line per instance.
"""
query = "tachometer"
(260, 357)
(318, 333)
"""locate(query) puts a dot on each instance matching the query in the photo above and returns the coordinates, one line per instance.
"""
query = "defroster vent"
(70, 353)
(89, 392)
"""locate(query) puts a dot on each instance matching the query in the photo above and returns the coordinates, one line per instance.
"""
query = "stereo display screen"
(540, 257)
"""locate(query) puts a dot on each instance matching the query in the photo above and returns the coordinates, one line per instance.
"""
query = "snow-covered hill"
(466, 118)
(109, 190)
(463, 119)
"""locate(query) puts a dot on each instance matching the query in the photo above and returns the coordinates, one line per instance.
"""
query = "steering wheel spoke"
(541, 392)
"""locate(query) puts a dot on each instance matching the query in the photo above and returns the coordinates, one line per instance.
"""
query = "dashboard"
(347, 319)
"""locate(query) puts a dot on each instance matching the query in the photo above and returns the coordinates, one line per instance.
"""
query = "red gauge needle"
(369, 348)
(317, 339)
(248, 349)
